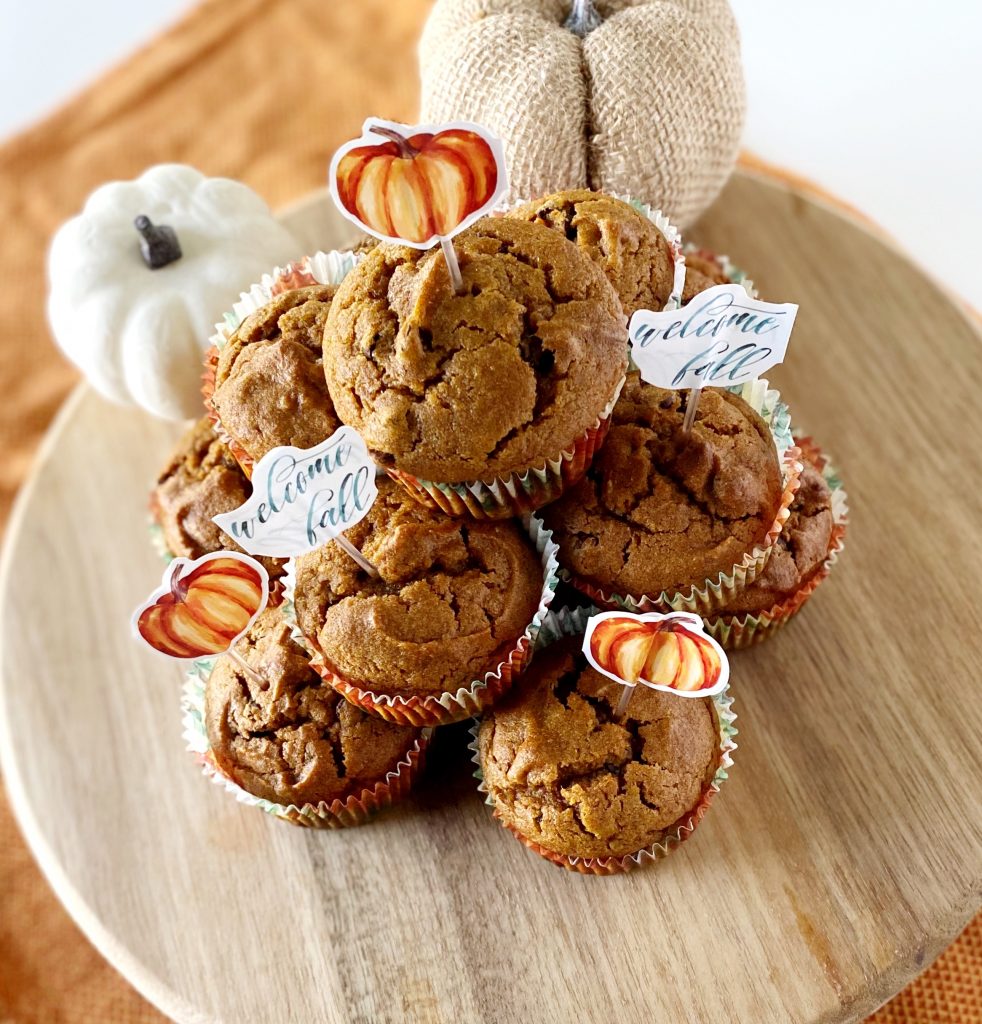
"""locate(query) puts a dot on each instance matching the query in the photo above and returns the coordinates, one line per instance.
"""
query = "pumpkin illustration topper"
(419, 184)
(203, 606)
(669, 652)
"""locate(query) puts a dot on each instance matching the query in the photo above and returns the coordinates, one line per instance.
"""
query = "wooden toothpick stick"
(349, 549)
(626, 694)
(246, 667)
(691, 407)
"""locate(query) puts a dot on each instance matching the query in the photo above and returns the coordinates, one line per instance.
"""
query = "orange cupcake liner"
(466, 701)
(356, 809)
(571, 622)
(518, 493)
(429, 710)
(737, 632)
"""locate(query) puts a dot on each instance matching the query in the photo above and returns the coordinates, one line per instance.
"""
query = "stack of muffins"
(516, 448)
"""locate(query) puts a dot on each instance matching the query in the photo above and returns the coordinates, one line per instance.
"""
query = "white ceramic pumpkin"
(643, 97)
(138, 334)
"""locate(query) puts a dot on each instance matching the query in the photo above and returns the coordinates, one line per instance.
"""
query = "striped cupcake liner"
(442, 708)
(354, 810)
(572, 622)
(713, 594)
(518, 493)
(736, 632)
(321, 268)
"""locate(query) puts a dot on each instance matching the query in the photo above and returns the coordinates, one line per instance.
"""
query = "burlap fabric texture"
(649, 102)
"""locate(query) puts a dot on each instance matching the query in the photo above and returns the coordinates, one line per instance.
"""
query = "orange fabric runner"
(264, 91)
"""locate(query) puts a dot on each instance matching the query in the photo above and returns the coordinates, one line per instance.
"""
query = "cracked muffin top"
(635, 256)
(201, 480)
(799, 552)
(495, 380)
(452, 599)
(291, 739)
(564, 773)
(661, 511)
(269, 383)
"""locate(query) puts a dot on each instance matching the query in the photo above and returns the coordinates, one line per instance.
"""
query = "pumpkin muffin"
(706, 269)
(622, 241)
(291, 739)
(563, 773)
(201, 480)
(269, 383)
(452, 599)
(799, 553)
(660, 511)
(496, 380)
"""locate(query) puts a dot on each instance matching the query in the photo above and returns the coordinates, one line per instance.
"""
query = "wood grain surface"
(844, 853)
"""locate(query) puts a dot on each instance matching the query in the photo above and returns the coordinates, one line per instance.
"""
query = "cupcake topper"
(666, 652)
(419, 184)
(304, 497)
(721, 337)
(204, 606)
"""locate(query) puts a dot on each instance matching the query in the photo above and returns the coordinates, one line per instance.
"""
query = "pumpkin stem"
(177, 585)
(406, 149)
(583, 18)
(158, 244)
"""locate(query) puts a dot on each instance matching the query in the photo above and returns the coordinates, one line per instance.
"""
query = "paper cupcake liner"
(735, 632)
(321, 268)
(157, 542)
(518, 493)
(354, 810)
(569, 622)
(707, 598)
(467, 701)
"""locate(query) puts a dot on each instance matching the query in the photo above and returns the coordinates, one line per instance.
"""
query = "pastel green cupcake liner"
(157, 541)
(736, 632)
(713, 594)
(465, 702)
(572, 622)
(354, 810)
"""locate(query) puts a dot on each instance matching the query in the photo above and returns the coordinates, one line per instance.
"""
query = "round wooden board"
(842, 856)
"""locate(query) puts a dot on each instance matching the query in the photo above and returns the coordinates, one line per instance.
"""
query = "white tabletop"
(874, 100)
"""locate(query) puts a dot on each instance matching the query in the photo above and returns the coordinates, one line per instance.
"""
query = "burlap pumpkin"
(649, 102)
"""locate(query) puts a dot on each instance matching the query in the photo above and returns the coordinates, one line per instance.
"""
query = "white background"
(879, 101)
